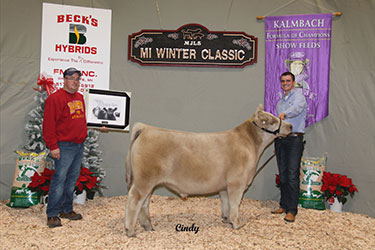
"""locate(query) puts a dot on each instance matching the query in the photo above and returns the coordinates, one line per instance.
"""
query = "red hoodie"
(64, 119)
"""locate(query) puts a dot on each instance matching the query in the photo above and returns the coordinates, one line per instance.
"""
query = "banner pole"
(333, 14)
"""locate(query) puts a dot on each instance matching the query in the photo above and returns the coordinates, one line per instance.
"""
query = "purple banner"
(300, 44)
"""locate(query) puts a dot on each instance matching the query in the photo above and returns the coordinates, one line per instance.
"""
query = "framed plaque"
(107, 108)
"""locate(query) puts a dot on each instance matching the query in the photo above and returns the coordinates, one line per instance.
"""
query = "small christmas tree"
(34, 128)
(92, 157)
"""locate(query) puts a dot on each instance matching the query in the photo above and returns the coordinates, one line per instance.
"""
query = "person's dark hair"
(288, 74)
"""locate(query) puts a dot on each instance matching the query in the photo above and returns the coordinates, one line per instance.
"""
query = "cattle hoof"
(225, 220)
(130, 234)
(148, 228)
(237, 225)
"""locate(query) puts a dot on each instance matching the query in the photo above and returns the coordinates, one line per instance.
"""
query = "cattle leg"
(224, 206)
(144, 215)
(234, 196)
(133, 207)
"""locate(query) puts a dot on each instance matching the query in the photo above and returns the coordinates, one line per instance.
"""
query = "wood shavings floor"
(102, 227)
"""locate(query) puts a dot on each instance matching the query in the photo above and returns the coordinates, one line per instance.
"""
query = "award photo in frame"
(107, 108)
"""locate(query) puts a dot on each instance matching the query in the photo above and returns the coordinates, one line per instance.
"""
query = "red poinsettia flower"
(48, 173)
(79, 186)
(326, 175)
(332, 188)
(345, 181)
(325, 186)
(86, 171)
(86, 181)
(277, 180)
(336, 185)
(40, 182)
(335, 179)
(36, 180)
(353, 189)
(92, 182)
(81, 179)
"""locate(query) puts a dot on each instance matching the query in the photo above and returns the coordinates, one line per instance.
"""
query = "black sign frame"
(192, 45)
(99, 102)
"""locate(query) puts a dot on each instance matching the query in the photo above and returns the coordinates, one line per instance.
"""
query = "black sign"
(192, 45)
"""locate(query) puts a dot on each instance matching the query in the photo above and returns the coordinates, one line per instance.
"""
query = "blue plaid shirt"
(294, 107)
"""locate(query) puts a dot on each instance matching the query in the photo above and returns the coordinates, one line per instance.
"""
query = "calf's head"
(96, 111)
(270, 123)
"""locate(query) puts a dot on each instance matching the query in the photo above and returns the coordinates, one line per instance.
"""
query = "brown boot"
(290, 217)
(53, 222)
(71, 215)
(278, 211)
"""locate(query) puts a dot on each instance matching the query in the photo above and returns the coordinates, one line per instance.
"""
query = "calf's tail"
(136, 132)
(128, 172)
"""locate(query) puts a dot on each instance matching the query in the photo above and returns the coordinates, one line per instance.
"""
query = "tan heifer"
(196, 163)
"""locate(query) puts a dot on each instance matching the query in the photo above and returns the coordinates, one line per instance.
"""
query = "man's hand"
(55, 153)
(104, 129)
(282, 116)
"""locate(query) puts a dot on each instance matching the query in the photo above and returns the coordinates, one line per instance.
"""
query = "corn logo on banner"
(76, 37)
(300, 44)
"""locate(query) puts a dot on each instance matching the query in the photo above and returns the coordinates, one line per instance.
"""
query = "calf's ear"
(260, 108)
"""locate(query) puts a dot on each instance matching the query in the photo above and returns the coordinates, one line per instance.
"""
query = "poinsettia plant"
(40, 182)
(337, 185)
(86, 181)
(277, 180)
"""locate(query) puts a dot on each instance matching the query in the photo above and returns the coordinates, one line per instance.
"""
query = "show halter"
(277, 131)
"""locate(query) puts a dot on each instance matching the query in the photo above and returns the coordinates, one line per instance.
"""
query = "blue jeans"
(67, 169)
(288, 155)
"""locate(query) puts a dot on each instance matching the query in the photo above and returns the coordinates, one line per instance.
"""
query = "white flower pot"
(44, 199)
(336, 206)
(80, 198)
